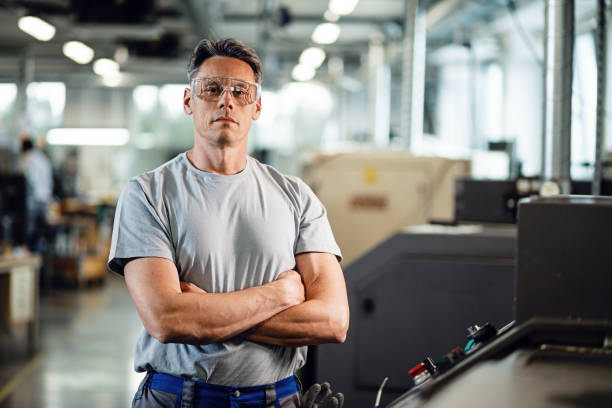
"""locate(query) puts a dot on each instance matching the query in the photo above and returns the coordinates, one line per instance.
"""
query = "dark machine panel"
(560, 352)
(542, 363)
(414, 295)
(439, 296)
(564, 267)
(496, 201)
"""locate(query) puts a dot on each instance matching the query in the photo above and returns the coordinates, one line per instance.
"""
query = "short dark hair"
(26, 145)
(225, 47)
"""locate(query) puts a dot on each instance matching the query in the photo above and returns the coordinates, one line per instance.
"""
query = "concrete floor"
(85, 357)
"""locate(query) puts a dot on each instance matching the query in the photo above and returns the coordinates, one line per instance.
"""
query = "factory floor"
(84, 358)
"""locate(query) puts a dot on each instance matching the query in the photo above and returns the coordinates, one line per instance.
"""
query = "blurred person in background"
(37, 169)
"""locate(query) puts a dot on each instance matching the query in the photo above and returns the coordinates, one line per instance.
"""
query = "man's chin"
(223, 138)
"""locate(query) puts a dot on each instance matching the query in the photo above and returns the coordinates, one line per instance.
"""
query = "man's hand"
(322, 318)
(291, 285)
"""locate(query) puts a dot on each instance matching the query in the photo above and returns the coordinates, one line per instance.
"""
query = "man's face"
(224, 121)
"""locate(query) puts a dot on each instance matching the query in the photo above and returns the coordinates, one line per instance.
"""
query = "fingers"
(331, 402)
(309, 397)
(325, 393)
(188, 287)
(320, 396)
(340, 397)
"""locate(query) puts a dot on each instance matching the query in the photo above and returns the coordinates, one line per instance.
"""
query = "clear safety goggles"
(211, 89)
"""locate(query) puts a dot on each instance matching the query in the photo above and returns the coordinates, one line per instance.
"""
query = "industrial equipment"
(413, 295)
(369, 196)
(560, 352)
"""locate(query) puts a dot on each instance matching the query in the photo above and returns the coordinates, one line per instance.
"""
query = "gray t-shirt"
(223, 233)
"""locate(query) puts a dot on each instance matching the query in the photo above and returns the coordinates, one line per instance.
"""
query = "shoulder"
(158, 181)
(290, 184)
(293, 187)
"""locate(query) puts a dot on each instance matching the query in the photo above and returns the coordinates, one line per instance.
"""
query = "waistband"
(174, 385)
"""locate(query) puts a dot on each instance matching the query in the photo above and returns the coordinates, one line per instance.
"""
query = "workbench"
(19, 301)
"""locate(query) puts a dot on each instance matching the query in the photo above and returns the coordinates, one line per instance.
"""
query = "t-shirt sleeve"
(315, 233)
(138, 231)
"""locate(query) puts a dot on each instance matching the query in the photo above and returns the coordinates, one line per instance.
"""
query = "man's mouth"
(225, 119)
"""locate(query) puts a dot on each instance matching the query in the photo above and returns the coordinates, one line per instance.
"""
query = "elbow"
(340, 328)
(167, 332)
(163, 329)
(160, 331)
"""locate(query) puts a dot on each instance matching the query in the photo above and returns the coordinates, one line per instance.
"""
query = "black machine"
(414, 295)
(560, 351)
(496, 201)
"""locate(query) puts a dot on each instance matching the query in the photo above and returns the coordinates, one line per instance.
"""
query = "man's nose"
(225, 99)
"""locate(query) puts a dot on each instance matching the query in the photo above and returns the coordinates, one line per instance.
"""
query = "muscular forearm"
(208, 318)
(175, 313)
(322, 318)
(311, 322)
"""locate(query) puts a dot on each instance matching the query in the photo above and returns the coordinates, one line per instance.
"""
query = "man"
(231, 265)
(38, 172)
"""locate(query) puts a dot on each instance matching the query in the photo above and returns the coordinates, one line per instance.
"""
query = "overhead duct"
(558, 59)
(111, 11)
(200, 14)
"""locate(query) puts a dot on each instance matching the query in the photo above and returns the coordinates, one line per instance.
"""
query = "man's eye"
(211, 89)
(240, 91)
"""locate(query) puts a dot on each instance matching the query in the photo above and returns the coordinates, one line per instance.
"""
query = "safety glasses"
(211, 89)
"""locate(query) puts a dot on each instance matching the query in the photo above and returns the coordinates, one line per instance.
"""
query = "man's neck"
(224, 160)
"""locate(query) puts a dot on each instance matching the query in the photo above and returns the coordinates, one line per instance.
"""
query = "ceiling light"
(36, 27)
(112, 79)
(312, 57)
(331, 16)
(326, 33)
(303, 72)
(122, 53)
(105, 66)
(342, 7)
(88, 136)
(78, 52)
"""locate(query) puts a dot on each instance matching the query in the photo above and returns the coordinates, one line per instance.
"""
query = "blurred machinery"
(368, 196)
(496, 201)
(413, 295)
(560, 352)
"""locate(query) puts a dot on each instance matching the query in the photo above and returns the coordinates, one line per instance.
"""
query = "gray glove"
(320, 396)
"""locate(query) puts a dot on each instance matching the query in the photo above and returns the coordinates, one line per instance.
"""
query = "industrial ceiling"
(158, 35)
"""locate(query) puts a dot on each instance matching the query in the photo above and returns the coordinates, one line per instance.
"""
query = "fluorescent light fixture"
(303, 72)
(105, 66)
(112, 79)
(78, 52)
(326, 33)
(313, 57)
(121, 54)
(331, 16)
(342, 7)
(88, 136)
(36, 27)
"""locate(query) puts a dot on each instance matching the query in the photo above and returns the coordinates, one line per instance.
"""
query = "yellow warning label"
(370, 175)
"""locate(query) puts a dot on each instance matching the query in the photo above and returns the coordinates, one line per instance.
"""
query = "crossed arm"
(307, 306)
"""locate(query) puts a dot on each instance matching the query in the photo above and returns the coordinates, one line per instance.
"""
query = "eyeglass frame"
(225, 88)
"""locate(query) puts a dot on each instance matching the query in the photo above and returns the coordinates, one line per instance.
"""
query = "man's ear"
(257, 111)
(187, 99)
